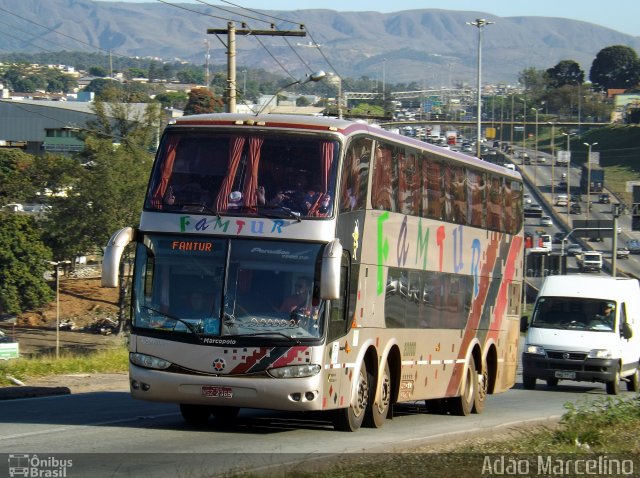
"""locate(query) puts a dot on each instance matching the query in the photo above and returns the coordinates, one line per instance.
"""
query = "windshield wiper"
(196, 205)
(187, 324)
(274, 332)
(286, 213)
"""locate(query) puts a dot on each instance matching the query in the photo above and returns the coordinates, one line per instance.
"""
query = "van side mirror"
(524, 323)
(626, 331)
(330, 271)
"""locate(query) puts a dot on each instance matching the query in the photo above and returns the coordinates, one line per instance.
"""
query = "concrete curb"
(12, 393)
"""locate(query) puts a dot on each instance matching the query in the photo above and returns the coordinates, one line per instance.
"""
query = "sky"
(621, 16)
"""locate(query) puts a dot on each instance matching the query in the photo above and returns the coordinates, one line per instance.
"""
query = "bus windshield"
(215, 172)
(184, 286)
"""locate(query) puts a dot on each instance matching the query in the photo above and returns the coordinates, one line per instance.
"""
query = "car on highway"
(634, 246)
(533, 210)
(557, 237)
(527, 198)
(622, 253)
(546, 221)
(574, 249)
(575, 208)
(604, 198)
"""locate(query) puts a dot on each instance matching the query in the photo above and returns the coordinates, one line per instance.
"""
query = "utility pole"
(231, 33)
(206, 64)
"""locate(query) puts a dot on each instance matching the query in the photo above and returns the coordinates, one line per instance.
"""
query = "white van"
(571, 337)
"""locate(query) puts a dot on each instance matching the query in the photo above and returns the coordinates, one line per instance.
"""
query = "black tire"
(483, 390)
(377, 412)
(613, 386)
(436, 406)
(225, 414)
(350, 419)
(552, 382)
(195, 414)
(633, 381)
(463, 404)
(528, 382)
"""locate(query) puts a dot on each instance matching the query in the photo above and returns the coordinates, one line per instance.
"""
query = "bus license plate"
(567, 375)
(217, 392)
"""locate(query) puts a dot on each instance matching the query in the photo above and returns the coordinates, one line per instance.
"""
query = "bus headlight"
(295, 371)
(148, 361)
(600, 353)
(535, 349)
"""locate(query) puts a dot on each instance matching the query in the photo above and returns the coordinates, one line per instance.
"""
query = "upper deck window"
(248, 173)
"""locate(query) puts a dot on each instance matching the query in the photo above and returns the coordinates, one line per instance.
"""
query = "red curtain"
(251, 181)
(326, 156)
(235, 151)
(167, 169)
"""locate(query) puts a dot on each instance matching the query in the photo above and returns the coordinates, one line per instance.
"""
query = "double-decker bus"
(343, 269)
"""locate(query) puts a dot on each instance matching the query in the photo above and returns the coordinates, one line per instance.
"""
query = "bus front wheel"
(195, 414)
(350, 419)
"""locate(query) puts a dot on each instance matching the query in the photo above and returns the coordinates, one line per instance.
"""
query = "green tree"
(534, 82)
(172, 99)
(191, 75)
(98, 71)
(566, 72)
(15, 183)
(615, 67)
(110, 192)
(105, 89)
(302, 101)
(23, 259)
(201, 100)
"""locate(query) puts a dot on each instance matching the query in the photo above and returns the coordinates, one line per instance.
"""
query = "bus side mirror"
(627, 332)
(112, 255)
(524, 323)
(330, 271)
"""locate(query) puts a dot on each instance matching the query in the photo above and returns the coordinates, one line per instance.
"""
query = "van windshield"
(574, 313)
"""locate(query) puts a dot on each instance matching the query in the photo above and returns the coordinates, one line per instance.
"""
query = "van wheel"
(195, 414)
(463, 404)
(377, 412)
(613, 387)
(350, 419)
(633, 381)
(528, 382)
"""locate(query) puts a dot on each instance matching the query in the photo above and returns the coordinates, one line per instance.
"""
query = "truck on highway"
(584, 329)
(595, 177)
(590, 261)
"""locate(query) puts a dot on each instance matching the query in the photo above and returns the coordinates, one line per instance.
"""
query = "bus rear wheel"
(377, 412)
(195, 414)
(463, 405)
(350, 419)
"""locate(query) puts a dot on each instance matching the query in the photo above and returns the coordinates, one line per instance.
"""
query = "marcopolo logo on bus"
(35, 466)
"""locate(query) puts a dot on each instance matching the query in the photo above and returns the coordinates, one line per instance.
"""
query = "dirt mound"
(82, 301)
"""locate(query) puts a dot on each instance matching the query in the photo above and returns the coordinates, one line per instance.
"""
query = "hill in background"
(433, 46)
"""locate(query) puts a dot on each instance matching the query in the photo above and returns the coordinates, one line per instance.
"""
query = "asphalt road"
(119, 436)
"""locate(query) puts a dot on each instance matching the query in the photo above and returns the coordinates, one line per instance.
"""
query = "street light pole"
(317, 76)
(535, 168)
(479, 23)
(589, 146)
(57, 265)
(524, 128)
(553, 162)
(568, 135)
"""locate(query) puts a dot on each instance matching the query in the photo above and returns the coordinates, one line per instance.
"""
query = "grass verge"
(603, 432)
(103, 361)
